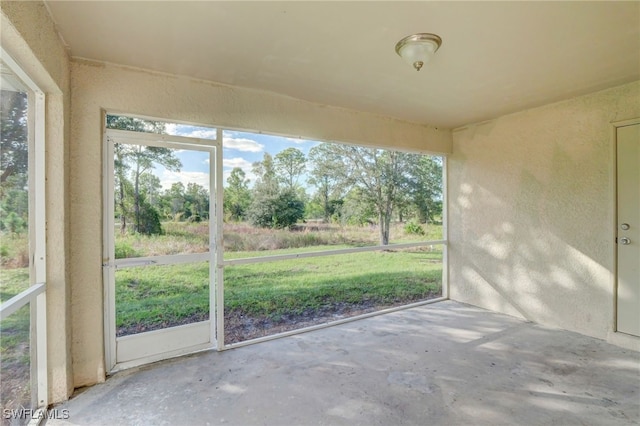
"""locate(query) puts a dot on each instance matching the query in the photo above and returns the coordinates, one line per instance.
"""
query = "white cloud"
(168, 178)
(171, 128)
(242, 144)
(190, 131)
(237, 162)
(299, 141)
(203, 134)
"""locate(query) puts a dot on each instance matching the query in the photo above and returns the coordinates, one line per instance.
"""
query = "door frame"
(205, 330)
(614, 225)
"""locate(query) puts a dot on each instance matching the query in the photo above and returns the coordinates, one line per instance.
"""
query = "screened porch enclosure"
(509, 195)
(260, 236)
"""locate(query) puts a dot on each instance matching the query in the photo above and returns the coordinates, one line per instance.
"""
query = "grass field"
(244, 240)
(265, 298)
(15, 386)
(260, 298)
(294, 286)
(273, 294)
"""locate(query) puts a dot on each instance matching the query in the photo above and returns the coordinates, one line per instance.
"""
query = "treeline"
(140, 203)
(14, 161)
(353, 185)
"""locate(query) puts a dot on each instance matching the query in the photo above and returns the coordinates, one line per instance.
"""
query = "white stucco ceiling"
(496, 57)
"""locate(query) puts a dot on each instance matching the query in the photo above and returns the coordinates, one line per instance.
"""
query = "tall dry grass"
(14, 250)
(183, 237)
(244, 237)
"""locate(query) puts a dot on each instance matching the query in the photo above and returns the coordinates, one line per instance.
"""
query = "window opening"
(287, 198)
(149, 125)
(312, 232)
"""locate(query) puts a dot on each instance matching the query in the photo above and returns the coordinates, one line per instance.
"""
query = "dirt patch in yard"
(240, 326)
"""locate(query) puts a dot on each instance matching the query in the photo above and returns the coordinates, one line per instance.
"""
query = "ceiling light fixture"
(417, 49)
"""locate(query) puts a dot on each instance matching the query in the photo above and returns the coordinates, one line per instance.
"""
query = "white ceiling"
(496, 57)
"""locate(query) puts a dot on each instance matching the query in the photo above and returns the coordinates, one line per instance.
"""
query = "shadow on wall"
(530, 234)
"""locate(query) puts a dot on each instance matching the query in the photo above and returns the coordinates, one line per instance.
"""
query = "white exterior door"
(628, 229)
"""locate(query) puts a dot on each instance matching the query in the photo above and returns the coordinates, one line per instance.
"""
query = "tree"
(196, 202)
(381, 176)
(14, 198)
(289, 166)
(426, 188)
(136, 161)
(355, 210)
(148, 219)
(133, 124)
(280, 210)
(328, 175)
(122, 185)
(237, 197)
(265, 191)
(150, 187)
(13, 223)
(14, 162)
(176, 199)
(132, 164)
(288, 209)
(266, 174)
(14, 146)
(144, 158)
(272, 206)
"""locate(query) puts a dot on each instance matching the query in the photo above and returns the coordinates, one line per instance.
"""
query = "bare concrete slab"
(440, 364)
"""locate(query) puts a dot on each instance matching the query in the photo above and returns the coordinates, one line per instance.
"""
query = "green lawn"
(153, 297)
(12, 282)
(159, 296)
(295, 286)
(14, 330)
(15, 390)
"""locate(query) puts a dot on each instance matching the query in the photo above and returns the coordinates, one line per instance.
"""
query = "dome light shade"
(417, 49)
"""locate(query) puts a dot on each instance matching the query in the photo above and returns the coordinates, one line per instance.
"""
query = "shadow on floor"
(440, 364)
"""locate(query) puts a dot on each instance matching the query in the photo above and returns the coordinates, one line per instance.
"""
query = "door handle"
(625, 241)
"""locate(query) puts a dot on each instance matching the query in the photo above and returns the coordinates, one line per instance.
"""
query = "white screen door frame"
(145, 347)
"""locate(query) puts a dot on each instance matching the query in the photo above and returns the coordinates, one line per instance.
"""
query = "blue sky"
(240, 149)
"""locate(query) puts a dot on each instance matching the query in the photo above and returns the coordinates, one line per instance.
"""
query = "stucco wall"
(97, 86)
(29, 36)
(531, 212)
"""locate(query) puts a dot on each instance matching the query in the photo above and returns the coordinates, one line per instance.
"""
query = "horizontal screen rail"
(159, 260)
(20, 299)
(171, 141)
(274, 258)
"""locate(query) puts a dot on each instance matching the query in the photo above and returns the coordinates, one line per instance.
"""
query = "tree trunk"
(123, 213)
(384, 228)
(123, 217)
(327, 213)
(136, 199)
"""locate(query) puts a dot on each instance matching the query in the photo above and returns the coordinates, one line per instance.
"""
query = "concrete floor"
(439, 364)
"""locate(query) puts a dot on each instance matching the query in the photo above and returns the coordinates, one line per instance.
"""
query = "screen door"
(159, 268)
